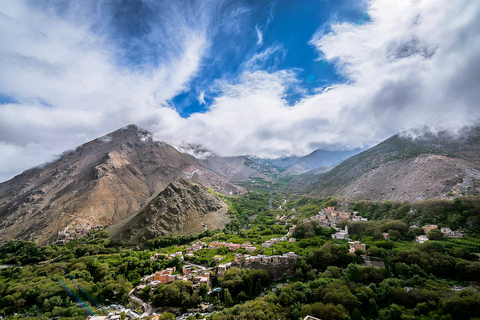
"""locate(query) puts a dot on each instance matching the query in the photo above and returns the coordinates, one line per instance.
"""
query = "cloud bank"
(412, 63)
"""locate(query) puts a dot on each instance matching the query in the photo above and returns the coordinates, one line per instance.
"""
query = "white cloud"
(414, 63)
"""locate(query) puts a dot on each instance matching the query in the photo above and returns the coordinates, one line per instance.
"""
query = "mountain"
(409, 166)
(103, 181)
(182, 208)
(320, 159)
(234, 169)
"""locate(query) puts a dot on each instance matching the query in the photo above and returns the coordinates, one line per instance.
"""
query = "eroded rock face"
(184, 207)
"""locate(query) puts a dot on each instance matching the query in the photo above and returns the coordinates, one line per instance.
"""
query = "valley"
(394, 275)
(223, 239)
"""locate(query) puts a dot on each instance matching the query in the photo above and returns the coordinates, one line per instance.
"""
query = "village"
(197, 275)
(73, 233)
(328, 217)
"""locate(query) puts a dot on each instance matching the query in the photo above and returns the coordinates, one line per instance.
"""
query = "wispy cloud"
(201, 98)
(259, 35)
(261, 30)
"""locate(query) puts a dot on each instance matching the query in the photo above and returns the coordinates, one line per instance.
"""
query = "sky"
(266, 78)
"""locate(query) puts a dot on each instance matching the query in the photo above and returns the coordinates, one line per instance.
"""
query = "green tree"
(434, 234)
(227, 298)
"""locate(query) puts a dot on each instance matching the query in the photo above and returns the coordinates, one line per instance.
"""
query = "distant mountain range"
(408, 166)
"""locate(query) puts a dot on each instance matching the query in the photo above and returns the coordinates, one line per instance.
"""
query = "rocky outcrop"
(184, 207)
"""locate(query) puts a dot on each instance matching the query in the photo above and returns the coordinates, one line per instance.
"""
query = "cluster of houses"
(215, 245)
(271, 242)
(243, 261)
(171, 256)
(74, 233)
(328, 217)
(446, 232)
(189, 274)
(354, 245)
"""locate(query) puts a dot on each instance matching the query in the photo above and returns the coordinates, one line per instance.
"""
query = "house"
(222, 268)
(240, 258)
(187, 269)
(163, 277)
(447, 232)
(250, 249)
(421, 239)
(385, 235)
(244, 245)
(343, 215)
(357, 245)
(429, 227)
(341, 235)
(198, 245)
(233, 246)
(267, 244)
(310, 318)
(292, 240)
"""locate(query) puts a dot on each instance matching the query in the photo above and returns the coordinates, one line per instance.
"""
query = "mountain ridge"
(403, 168)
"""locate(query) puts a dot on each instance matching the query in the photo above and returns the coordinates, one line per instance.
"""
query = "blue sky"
(265, 78)
(286, 24)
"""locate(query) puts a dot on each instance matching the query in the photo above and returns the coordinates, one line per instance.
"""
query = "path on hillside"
(199, 266)
(147, 306)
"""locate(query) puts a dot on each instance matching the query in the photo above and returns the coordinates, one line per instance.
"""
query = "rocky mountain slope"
(182, 208)
(103, 181)
(319, 159)
(408, 166)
